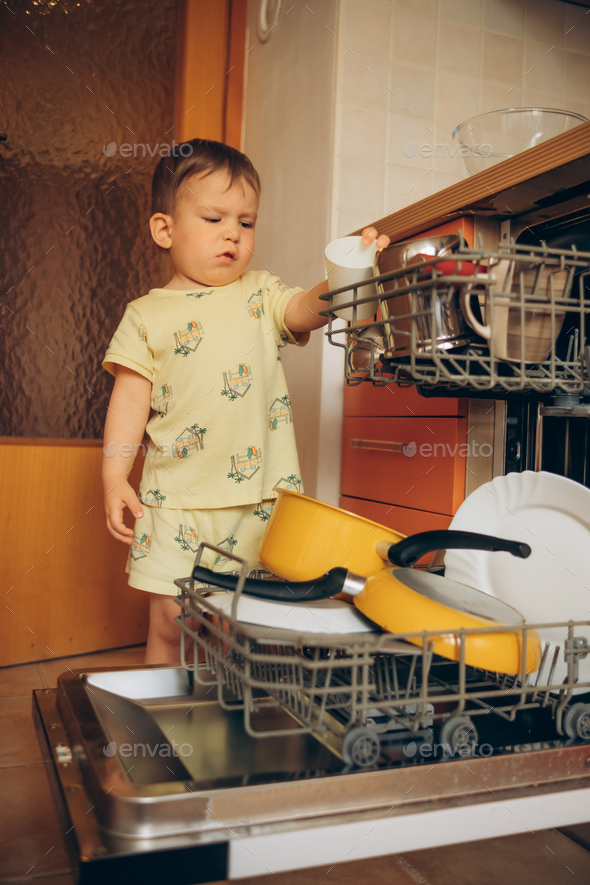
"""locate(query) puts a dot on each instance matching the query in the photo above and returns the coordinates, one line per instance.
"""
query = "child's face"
(212, 231)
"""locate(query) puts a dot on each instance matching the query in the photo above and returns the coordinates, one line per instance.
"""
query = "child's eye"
(213, 220)
(246, 224)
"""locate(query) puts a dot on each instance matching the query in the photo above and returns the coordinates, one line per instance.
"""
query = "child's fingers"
(119, 530)
(369, 234)
(131, 500)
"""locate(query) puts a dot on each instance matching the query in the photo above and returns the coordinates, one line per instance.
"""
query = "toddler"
(197, 364)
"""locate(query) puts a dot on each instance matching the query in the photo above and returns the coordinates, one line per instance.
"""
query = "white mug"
(349, 261)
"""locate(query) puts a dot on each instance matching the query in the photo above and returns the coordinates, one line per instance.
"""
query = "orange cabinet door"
(400, 519)
(431, 479)
(365, 399)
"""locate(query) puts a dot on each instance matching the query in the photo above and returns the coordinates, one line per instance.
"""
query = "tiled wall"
(411, 70)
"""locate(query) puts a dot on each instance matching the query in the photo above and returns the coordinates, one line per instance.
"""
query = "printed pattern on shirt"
(292, 482)
(141, 332)
(280, 412)
(247, 465)
(237, 381)
(153, 498)
(162, 399)
(198, 294)
(187, 340)
(255, 307)
(189, 441)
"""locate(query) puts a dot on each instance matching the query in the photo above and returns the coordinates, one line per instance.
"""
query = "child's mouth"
(227, 257)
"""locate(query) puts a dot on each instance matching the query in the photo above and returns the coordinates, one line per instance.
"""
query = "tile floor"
(32, 846)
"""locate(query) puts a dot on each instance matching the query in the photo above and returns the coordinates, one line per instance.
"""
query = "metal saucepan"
(404, 600)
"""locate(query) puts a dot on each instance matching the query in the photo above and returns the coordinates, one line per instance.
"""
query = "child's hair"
(203, 158)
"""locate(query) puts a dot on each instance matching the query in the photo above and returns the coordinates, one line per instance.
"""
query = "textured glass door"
(77, 78)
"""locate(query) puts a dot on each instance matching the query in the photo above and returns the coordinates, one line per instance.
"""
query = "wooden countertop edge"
(459, 198)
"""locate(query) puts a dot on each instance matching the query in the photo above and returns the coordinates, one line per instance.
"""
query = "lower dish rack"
(375, 695)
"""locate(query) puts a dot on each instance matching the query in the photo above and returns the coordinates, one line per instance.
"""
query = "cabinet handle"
(379, 445)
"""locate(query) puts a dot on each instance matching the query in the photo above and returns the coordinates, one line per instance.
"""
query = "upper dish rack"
(505, 320)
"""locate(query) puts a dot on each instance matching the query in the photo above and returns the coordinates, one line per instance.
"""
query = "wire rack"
(360, 693)
(532, 301)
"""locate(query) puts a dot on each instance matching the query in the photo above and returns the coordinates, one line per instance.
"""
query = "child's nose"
(231, 233)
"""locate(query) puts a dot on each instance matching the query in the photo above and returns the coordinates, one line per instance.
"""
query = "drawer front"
(432, 480)
(400, 519)
(405, 402)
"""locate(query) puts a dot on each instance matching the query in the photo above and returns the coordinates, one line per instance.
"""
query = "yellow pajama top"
(221, 433)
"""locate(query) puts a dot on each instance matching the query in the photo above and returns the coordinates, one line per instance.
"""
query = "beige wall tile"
(577, 76)
(468, 12)
(347, 221)
(362, 132)
(543, 66)
(364, 80)
(405, 138)
(456, 97)
(428, 7)
(405, 186)
(414, 37)
(413, 89)
(360, 185)
(577, 27)
(366, 27)
(502, 59)
(504, 16)
(458, 48)
(495, 96)
(545, 21)
(446, 159)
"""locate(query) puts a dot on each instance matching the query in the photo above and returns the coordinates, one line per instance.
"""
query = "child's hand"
(370, 234)
(116, 499)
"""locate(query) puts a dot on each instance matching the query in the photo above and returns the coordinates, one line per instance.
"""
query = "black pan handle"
(407, 552)
(297, 591)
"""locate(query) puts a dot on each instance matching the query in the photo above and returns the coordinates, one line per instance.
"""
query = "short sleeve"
(276, 298)
(129, 346)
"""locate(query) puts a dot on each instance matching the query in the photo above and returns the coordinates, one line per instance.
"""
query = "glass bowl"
(489, 138)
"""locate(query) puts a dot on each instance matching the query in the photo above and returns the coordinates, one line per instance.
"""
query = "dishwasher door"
(156, 780)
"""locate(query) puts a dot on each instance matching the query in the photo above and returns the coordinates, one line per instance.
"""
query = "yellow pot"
(398, 608)
(305, 538)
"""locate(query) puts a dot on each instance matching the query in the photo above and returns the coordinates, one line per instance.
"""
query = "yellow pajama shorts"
(165, 543)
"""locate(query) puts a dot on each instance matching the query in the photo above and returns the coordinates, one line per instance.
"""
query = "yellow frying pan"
(403, 600)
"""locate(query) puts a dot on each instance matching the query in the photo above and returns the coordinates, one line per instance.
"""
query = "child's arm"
(126, 421)
(302, 310)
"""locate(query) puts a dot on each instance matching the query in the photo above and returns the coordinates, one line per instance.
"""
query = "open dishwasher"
(276, 750)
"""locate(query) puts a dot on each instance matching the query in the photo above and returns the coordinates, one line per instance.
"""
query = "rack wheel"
(458, 732)
(576, 723)
(361, 747)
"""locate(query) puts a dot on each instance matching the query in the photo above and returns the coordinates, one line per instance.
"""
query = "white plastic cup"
(349, 261)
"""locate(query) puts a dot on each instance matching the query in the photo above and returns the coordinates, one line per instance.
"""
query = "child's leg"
(163, 643)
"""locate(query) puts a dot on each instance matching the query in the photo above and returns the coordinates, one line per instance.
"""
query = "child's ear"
(161, 229)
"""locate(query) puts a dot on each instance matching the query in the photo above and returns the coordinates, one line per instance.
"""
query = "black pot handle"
(407, 552)
(296, 591)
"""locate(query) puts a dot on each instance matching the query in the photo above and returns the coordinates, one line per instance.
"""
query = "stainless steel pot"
(449, 328)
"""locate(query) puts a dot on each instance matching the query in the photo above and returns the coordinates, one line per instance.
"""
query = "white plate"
(326, 616)
(552, 515)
